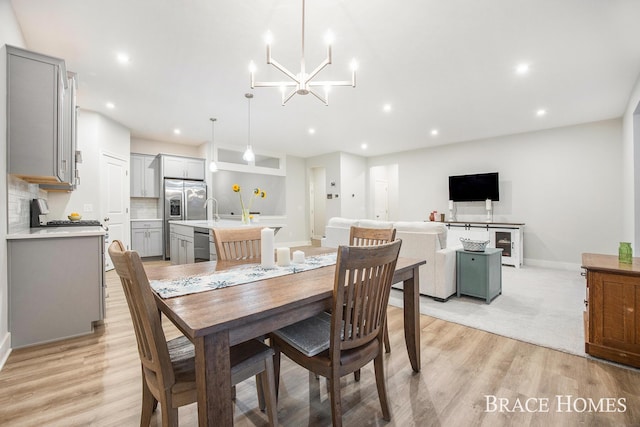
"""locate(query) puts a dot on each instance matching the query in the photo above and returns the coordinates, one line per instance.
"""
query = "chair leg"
(149, 404)
(260, 390)
(269, 390)
(169, 414)
(276, 367)
(336, 404)
(387, 343)
(378, 364)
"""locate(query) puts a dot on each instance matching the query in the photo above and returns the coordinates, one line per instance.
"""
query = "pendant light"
(213, 167)
(248, 155)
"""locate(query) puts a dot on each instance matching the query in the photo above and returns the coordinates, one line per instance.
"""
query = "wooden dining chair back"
(237, 243)
(168, 367)
(364, 236)
(352, 337)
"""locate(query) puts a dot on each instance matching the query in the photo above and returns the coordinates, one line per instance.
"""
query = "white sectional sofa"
(424, 240)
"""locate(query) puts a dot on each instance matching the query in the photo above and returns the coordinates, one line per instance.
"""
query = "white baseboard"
(552, 264)
(5, 349)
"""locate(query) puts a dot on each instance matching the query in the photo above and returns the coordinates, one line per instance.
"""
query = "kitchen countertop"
(57, 232)
(230, 223)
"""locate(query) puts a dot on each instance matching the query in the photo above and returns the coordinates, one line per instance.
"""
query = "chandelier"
(302, 83)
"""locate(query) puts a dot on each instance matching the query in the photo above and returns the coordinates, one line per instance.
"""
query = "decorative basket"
(474, 245)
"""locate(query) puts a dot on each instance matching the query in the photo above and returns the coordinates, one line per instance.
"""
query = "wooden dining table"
(217, 319)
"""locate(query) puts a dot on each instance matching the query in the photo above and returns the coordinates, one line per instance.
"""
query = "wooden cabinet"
(56, 288)
(506, 236)
(145, 176)
(40, 118)
(183, 167)
(479, 274)
(612, 314)
(146, 237)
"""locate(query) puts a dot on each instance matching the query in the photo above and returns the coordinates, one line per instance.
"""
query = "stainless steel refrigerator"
(183, 200)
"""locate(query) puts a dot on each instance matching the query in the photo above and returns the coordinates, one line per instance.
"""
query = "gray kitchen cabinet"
(182, 244)
(145, 177)
(56, 288)
(40, 124)
(183, 167)
(146, 237)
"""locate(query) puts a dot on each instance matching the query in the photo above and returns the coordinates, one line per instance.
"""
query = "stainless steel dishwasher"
(200, 244)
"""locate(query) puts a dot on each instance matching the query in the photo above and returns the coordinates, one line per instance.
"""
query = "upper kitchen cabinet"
(40, 118)
(182, 167)
(145, 175)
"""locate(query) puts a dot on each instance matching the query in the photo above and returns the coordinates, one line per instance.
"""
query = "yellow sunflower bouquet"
(257, 193)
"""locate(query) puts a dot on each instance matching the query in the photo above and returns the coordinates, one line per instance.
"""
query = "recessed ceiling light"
(386, 108)
(363, 146)
(123, 58)
(434, 132)
(177, 131)
(541, 112)
(312, 131)
(110, 105)
(522, 69)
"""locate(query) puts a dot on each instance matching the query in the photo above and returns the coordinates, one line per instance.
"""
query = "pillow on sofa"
(425, 227)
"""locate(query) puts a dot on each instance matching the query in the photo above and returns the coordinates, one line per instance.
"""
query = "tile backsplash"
(145, 208)
(20, 193)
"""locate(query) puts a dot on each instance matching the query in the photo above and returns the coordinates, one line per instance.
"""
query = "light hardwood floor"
(95, 381)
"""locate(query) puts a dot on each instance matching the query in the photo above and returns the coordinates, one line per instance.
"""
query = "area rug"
(539, 306)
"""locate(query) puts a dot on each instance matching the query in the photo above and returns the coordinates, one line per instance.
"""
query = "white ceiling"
(441, 64)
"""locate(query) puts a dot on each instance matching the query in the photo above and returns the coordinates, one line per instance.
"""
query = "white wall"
(631, 169)
(564, 184)
(11, 34)
(353, 178)
(97, 134)
(147, 146)
(297, 230)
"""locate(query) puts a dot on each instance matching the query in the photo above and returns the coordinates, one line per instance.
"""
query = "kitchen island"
(56, 283)
(192, 241)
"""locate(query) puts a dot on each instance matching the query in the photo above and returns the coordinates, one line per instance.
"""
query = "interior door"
(381, 200)
(114, 177)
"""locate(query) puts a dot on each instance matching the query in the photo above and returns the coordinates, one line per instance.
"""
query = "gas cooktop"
(80, 223)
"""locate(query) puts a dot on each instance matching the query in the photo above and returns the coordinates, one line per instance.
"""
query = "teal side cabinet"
(479, 274)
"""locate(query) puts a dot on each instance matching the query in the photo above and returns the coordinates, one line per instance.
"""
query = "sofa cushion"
(425, 227)
(341, 222)
(371, 223)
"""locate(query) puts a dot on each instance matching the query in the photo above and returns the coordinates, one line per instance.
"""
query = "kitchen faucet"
(216, 217)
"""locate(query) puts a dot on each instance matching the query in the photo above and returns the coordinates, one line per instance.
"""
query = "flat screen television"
(474, 188)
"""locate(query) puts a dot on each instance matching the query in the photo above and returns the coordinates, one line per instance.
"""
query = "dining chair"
(337, 344)
(237, 243)
(364, 236)
(168, 367)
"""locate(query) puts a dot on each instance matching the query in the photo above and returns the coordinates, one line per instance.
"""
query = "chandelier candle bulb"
(298, 257)
(267, 247)
(284, 257)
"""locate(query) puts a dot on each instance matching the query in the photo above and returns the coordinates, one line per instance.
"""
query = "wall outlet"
(88, 207)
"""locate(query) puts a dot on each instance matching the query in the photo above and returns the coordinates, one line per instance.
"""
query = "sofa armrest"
(445, 273)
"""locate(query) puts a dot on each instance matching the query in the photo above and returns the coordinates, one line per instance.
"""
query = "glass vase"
(625, 253)
(246, 219)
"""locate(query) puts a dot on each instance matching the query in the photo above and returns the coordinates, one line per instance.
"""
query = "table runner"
(241, 274)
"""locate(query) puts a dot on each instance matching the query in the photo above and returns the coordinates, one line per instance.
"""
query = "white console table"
(503, 235)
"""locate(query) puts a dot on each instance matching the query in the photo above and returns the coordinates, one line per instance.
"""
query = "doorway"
(114, 203)
(317, 202)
